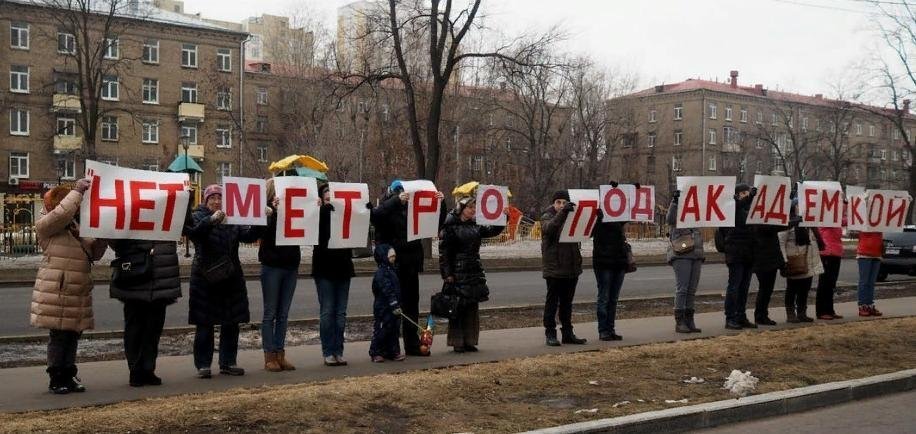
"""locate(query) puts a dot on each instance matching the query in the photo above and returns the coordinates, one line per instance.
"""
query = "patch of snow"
(622, 403)
(589, 411)
(740, 383)
(694, 380)
(677, 401)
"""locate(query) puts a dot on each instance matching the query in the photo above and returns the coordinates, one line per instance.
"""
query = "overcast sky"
(792, 45)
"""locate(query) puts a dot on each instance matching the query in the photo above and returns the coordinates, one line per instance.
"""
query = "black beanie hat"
(740, 187)
(560, 194)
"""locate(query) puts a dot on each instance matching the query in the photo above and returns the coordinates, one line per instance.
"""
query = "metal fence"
(19, 241)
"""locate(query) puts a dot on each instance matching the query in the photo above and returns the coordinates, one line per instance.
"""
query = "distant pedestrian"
(62, 295)
(610, 261)
(562, 265)
(739, 258)
(831, 257)
(686, 256)
(803, 262)
(868, 255)
(386, 308)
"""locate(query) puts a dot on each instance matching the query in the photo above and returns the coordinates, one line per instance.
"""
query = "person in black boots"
(390, 221)
(610, 260)
(768, 261)
(739, 257)
(562, 265)
(145, 277)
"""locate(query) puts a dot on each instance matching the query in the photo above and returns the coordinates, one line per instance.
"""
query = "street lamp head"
(185, 142)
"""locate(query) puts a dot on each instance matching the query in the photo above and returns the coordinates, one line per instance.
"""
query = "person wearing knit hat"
(739, 258)
(686, 255)
(211, 190)
(562, 265)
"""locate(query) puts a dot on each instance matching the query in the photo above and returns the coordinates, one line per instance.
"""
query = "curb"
(731, 411)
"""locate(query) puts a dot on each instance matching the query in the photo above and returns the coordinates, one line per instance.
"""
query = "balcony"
(191, 112)
(67, 143)
(65, 102)
(194, 151)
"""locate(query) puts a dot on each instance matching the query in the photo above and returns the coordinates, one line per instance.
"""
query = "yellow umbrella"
(468, 189)
(293, 161)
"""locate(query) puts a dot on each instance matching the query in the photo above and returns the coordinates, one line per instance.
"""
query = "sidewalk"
(25, 388)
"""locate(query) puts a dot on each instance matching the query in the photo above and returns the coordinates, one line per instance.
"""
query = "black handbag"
(478, 292)
(220, 270)
(631, 261)
(132, 269)
(444, 304)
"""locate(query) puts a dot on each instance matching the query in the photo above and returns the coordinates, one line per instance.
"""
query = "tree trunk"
(432, 131)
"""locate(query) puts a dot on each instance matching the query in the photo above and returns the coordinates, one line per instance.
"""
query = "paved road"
(886, 414)
(507, 289)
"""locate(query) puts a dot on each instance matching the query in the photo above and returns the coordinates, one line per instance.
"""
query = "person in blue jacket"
(387, 307)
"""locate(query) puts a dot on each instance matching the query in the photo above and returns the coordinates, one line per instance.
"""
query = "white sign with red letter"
(855, 208)
(244, 200)
(644, 204)
(350, 218)
(617, 202)
(887, 210)
(820, 204)
(706, 201)
(134, 204)
(297, 213)
(772, 203)
(422, 209)
(492, 203)
(580, 222)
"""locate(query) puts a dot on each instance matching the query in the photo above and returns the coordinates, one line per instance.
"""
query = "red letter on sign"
(419, 207)
(171, 191)
(485, 199)
(593, 204)
(856, 218)
(643, 204)
(898, 212)
(291, 213)
(712, 202)
(691, 204)
(809, 205)
(760, 206)
(831, 203)
(778, 214)
(252, 198)
(96, 202)
(623, 202)
(137, 204)
(871, 210)
(348, 197)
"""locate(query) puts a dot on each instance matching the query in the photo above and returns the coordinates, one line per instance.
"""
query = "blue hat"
(396, 184)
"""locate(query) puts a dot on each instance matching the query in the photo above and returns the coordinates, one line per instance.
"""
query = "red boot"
(875, 312)
(864, 310)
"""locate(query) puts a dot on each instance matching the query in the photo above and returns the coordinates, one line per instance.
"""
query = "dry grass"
(517, 394)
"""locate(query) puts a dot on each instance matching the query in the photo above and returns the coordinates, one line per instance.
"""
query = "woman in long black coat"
(217, 288)
(459, 263)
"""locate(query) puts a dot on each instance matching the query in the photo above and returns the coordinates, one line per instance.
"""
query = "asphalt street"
(506, 289)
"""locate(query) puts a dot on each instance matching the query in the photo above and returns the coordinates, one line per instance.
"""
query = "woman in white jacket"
(799, 243)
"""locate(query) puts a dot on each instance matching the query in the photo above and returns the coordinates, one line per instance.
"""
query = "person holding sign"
(803, 262)
(562, 265)
(459, 263)
(768, 261)
(739, 258)
(868, 256)
(686, 257)
(218, 292)
(279, 274)
(610, 261)
(831, 257)
(62, 295)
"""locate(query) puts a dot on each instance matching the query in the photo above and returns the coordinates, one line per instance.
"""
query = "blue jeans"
(739, 282)
(609, 283)
(332, 299)
(868, 274)
(277, 286)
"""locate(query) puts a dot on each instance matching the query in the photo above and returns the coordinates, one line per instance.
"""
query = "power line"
(819, 6)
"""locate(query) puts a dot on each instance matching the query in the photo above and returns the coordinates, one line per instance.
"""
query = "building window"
(19, 79)
(66, 43)
(712, 110)
(871, 131)
(19, 122)
(728, 112)
(224, 59)
(893, 155)
(224, 99)
(743, 116)
(675, 164)
(150, 131)
(66, 127)
(678, 112)
(732, 135)
(262, 153)
(223, 169)
(773, 118)
(261, 124)
(678, 136)
(712, 137)
(804, 124)
(19, 36)
(151, 165)
(651, 116)
(385, 112)
(189, 131)
(110, 128)
(651, 140)
(189, 55)
(151, 51)
(712, 164)
(112, 49)
(223, 136)
(19, 164)
(150, 91)
(66, 168)
(895, 134)
(65, 86)
(759, 117)
(759, 167)
(262, 96)
(110, 88)
(189, 92)
(759, 143)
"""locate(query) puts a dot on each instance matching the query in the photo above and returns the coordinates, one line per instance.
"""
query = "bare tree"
(793, 144)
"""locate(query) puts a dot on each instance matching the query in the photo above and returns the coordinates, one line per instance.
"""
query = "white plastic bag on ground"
(741, 383)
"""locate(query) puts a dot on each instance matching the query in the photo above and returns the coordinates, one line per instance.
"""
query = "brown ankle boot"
(270, 362)
(284, 364)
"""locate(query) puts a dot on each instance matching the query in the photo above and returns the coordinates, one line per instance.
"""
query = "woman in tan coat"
(62, 296)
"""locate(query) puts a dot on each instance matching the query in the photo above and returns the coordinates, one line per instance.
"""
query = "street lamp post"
(185, 144)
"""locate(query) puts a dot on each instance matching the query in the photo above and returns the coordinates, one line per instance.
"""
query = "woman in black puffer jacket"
(459, 263)
(145, 296)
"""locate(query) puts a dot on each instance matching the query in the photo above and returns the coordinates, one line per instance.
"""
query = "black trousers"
(228, 345)
(143, 322)
(62, 348)
(826, 285)
(409, 278)
(797, 294)
(560, 293)
(766, 280)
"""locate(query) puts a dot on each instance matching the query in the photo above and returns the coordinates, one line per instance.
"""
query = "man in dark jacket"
(610, 260)
(145, 277)
(390, 221)
(562, 265)
(739, 257)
